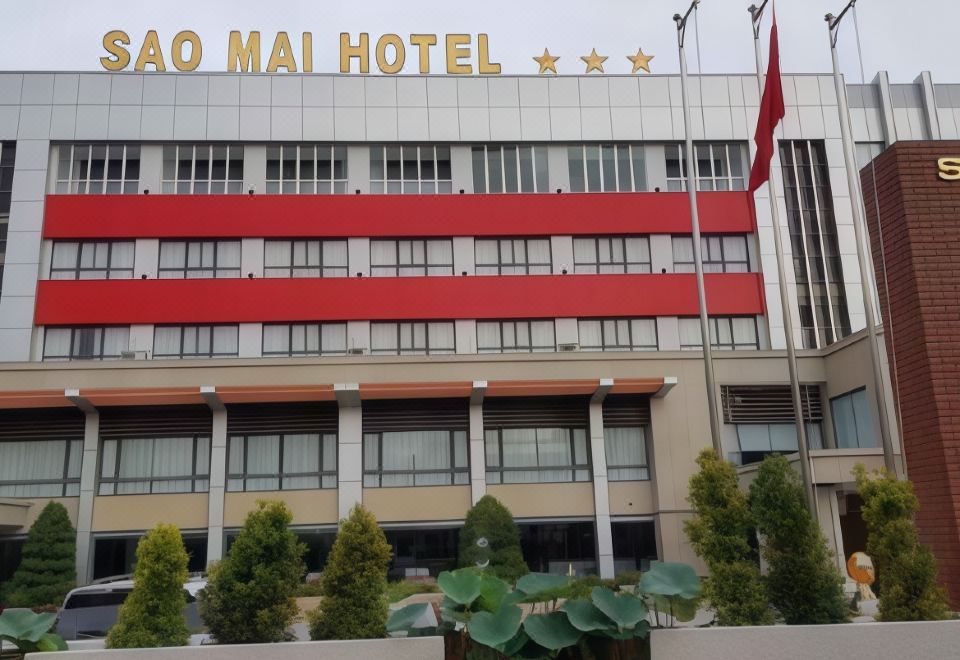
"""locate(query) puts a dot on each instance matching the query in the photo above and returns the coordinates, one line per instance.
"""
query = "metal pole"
(695, 226)
(805, 473)
(866, 280)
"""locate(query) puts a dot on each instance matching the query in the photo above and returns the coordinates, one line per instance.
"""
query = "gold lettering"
(456, 52)
(246, 57)
(949, 169)
(484, 65)
(398, 50)
(348, 52)
(150, 53)
(308, 52)
(120, 57)
(196, 51)
(423, 43)
(282, 55)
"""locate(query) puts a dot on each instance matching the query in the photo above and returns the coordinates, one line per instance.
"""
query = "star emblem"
(594, 61)
(640, 61)
(547, 61)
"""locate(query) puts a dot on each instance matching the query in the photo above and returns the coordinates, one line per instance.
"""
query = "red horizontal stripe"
(83, 302)
(168, 216)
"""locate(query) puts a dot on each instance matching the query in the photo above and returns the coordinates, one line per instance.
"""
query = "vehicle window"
(101, 599)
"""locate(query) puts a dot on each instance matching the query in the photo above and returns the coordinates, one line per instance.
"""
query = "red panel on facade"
(101, 302)
(169, 216)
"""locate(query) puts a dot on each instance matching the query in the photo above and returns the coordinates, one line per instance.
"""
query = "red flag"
(771, 112)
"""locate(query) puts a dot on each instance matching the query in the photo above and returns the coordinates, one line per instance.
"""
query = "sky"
(66, 35)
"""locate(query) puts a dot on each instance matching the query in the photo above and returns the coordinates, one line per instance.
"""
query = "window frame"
(79, 269)
(724, 263)
(405, 185)
(74, 331)
(425, 267)
(65, 481)
(733, 183)
(833, 419)
(644, 438)
(81, 186)
(218, 271)
(232, 181)
(606, 347)
(574, 468)
(715, 330)
(595, 266)
(490, 153)
(493, 350)
(115, 480)
(413, 351)
(195, 327)
(636, 153)
(273, 272)
(305, 353)
(501, 264)
(298, 185)
(452, 471)
(280, 475)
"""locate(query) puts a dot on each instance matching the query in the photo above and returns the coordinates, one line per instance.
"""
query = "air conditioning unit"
(568, 347)
(356, 351)
(133, 355)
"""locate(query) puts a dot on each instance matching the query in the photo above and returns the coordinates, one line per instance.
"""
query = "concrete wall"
(545, 500)
(870, 641)
(318, 506)
(421, 503)
(119, 513)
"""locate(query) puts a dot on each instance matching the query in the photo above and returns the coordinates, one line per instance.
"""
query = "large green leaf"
(552, 631)
(492, 591)
(626, 610)
(494, 629)
(461, 585)
(642, 629)
(403, 618)
(25, 625)
(585, 616)
(533, 584)
(51, 642)
(670, 579)
(512, 646)
(682, 609)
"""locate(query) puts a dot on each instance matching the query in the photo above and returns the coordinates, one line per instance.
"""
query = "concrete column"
(661, 253)
(146, 257)
(655, 161)
(478, 452)
(250, 337)
(463, 256)
(561, 253)
(465, 334)
(461, 168)
(88, 484)
(141, 340)
(349, 448)
(358, 256)
(601, 493)
(255, 168)
(668, 333)
(251, 257)
(151, 168)
(358, 336)
(558, 169)
(46, 259)
(925, 82)
(218, 483)
(882, 81)
(358, 168)
(567, 331)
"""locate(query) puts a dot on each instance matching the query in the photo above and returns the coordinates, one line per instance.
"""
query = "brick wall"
(916, 252)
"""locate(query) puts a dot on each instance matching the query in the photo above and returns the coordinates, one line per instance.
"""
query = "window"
(765, 420)
(415, 458)
(416, 338)
(606, 168)
(513, 256)
(8, 154)
(306, 169)
(734, 333)
(634, 545)
(305, 258)
(536, 455)
(405, 258)
(199, 259)
(618, 334)
(113, 555)
(203, 169)
(422, 551)
(102, 260)
(853, 420)
(282, 462)
(719, 166)
(85, 343)
(195, 341)
(510, 168)
(95, 169)
(155, 465)
(611, 255)
(626, 451)
(515, 337)
(40, 468)
(410, 169)
(557, 547)
(720, 254)
(290, 339)
(821, 295)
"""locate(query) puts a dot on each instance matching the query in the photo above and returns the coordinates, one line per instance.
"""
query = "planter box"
(934, 640)
(418, 648)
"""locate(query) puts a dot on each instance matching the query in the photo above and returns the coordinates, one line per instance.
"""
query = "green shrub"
(489, 519)
(354, 582)
(803, 581)
(720, 533)
(400, 589)
(249, 597)
(906, 570)
(309, 589)
(47, 568)
(152, 615)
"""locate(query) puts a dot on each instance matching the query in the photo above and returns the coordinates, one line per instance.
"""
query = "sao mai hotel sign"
(465, 55)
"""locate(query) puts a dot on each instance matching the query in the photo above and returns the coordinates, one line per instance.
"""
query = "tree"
(906, 569)
(490, 520)
(354, 582)
(152, 615)
(720, 533)
(803, 581)
(249, 597)
(47, 568)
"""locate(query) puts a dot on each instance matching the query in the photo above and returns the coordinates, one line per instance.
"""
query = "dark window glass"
(556, 547)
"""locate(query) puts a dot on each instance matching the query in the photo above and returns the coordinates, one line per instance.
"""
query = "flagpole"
(695, 226)
(805, 472)
(866, 281)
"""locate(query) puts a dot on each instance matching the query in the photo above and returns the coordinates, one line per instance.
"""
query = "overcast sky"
(62, 35)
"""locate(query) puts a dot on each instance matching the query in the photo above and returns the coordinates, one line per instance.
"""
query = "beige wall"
(17, 514)
(309, 507)
(631, 498)
(419, 503)
(545, 500)
(121, 513)
(674, 545)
